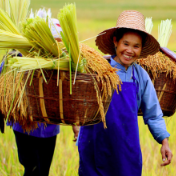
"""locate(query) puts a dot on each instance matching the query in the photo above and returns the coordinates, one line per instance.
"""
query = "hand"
(76, 132)
(166, 153)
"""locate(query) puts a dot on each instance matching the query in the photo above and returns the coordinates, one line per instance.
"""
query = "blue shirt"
(147, 99)
(42, 131)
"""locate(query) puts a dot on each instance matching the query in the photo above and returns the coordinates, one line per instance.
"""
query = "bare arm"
(76, 132)
(166, 153)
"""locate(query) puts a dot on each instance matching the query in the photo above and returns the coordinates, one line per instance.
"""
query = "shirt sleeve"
(152, 112)
(1, 66)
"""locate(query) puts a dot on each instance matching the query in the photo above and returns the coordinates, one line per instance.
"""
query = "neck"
(119, 61)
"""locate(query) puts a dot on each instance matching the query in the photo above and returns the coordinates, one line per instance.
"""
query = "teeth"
(129, 57)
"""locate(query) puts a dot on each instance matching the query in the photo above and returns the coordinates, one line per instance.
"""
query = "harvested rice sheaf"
(96, 64)
(45, 50)
(157, 64)
(15, 105)
(11, 88)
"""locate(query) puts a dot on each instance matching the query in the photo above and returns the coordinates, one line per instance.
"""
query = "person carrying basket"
(36, 148)
(116, 151)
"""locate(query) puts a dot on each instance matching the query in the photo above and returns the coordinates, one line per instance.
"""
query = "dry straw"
(157, 64)
(47, 53)
(95, 65)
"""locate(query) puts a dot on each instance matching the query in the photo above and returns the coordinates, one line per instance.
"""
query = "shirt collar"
(116, 64)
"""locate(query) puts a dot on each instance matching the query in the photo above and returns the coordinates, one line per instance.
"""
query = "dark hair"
(121, 31)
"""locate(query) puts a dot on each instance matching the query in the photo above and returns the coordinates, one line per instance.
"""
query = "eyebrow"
(125, 41)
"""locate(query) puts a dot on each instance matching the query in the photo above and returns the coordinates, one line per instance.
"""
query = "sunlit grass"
(66, 157)
(151, 150)
(110, 9)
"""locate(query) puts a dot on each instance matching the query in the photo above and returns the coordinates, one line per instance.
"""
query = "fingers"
(76, 132)
(167, 162)
(167, 158)
(75, 139)
(163, 154)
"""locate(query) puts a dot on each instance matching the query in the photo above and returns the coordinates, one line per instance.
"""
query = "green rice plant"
(68, 21)
(4, 4)
(9, 40)
(164, 32)
(148, 25)
(18, 10)
(37, 31)
(7, 24)
(27, 63)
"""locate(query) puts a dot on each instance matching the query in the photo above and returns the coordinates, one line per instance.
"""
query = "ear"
(114, 40)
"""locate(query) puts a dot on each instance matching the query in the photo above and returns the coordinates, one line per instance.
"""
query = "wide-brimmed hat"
(128, 19)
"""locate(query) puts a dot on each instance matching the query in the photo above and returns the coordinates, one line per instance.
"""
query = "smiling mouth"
(128, 57)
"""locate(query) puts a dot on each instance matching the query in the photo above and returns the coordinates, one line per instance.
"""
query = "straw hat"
(127, 19)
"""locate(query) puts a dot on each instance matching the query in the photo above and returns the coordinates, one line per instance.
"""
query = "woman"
(115, 151)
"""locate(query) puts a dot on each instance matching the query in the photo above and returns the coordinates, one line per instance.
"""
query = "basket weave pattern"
(54, 104)
(165, 88)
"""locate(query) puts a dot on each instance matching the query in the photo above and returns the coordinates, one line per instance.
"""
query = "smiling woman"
(116, 150)
(128, 48)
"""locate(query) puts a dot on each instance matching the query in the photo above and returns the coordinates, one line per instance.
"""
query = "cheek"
(138, 51)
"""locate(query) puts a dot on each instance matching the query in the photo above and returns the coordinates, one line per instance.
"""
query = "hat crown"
(131, 19)
(128, 19)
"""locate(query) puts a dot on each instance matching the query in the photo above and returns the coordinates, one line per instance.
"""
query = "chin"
(127, 63)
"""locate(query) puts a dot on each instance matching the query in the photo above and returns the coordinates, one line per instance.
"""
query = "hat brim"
(104, 41)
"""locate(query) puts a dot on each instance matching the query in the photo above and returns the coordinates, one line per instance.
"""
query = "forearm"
(157, 128)
(166, 152)
(165, 141)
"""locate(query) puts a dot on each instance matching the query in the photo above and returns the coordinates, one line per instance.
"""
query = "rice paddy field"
(93, 17)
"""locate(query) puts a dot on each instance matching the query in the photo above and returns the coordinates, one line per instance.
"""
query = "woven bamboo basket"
(54, 104)
(166, 92)
(165, 88)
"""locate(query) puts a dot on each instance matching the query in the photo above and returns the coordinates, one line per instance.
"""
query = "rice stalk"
(46, 53)
(8, 40)
(38, 33)
(4, 4)
(70, 71)
(148, 25)
(105, 74)
(7, 24)
(67, 18)
(28, 63)
(164, 32)
(19, 10)
(157, 64)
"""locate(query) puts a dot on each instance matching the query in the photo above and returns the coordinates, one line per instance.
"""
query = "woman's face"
(128, 48)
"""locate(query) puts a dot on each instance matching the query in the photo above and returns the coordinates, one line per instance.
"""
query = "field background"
(93, 17)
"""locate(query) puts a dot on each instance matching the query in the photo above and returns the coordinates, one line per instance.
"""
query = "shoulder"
(141, 72)
(142, 77)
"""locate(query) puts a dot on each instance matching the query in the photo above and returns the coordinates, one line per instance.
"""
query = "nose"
(129, 49)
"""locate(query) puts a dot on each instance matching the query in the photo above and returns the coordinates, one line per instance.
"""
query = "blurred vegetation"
(110, 9)
(66, 158)
(95, 16)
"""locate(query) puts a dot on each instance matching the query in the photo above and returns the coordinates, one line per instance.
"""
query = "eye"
(136, 46)
(126, 44)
